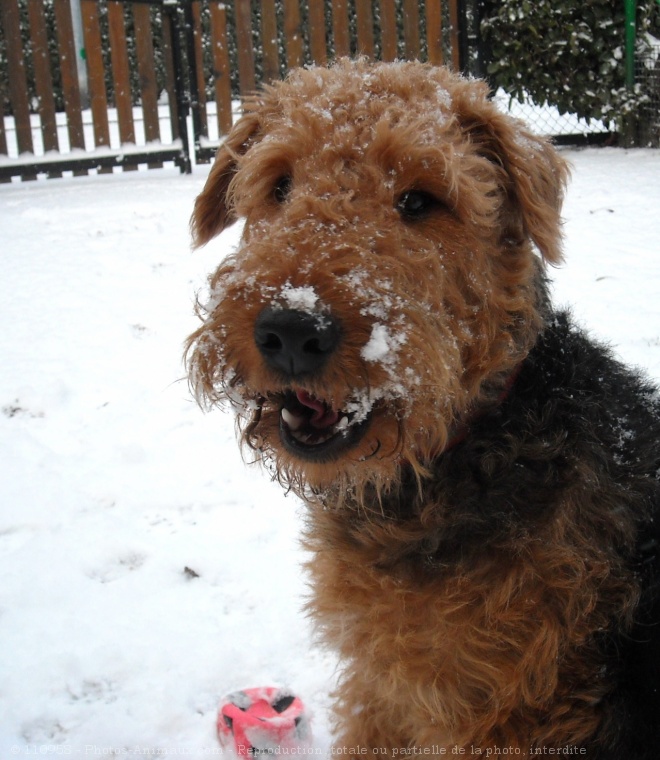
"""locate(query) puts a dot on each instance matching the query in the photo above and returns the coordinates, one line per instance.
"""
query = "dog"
(481, 478)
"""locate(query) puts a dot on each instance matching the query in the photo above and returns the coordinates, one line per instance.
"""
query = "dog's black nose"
(295, 342)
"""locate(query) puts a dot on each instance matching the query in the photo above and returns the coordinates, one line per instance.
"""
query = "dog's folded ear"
(213, 210)
(534, 174)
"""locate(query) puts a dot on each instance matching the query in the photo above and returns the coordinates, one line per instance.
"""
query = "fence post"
(389, 37)
(144, 49)
(121, 74)
(182, 102)
(293, 33)
(222, 82)
(246, 72)
(10, 18)
(340, 29)
(434, 31)
(191, 53)
(70, 77)
(43, 78)
(96, 77)
(411, 28)
(317, 41)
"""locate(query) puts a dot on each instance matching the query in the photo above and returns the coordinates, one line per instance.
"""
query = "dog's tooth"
(292, 420)
(300, 436)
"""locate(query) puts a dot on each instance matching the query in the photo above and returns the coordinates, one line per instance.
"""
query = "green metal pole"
(631, 14)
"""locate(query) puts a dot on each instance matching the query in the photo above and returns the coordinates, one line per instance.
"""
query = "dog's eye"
(282, 188)
(416, 204)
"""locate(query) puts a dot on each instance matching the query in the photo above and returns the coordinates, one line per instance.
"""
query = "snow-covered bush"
(566, 54)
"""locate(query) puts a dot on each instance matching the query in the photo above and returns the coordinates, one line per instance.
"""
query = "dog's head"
(386, 282)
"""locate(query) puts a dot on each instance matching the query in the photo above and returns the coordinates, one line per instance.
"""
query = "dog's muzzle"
(297, 345)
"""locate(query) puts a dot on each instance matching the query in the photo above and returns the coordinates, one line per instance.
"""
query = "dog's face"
(385, 278)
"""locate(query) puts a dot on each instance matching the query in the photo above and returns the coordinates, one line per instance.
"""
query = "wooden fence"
(43, 141)
(200, 54)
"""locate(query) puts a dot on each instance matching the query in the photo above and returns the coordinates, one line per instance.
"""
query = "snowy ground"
(113, 482)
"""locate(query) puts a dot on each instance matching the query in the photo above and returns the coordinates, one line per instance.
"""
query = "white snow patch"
(382, 345)
(302, 298)
(105, 457)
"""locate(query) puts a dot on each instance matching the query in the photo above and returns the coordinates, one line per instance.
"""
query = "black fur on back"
(575, 418)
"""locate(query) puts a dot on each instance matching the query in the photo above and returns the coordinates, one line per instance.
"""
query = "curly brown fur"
(481, 478)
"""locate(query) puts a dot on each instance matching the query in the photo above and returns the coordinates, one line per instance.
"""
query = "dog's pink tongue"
(323, 416)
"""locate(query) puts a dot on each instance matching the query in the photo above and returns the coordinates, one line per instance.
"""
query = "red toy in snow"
(262, 719)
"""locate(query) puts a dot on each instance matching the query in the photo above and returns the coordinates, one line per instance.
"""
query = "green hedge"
(567, 54)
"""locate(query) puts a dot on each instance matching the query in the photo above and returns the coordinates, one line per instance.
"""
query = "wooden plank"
(340, 33)
(199, 59)
(18, 92)
(246, 73)
(269, 41)
(63, 162)
(365, 28)
(454, 35)
(69, 74)
(221, 66)
(144, 48)
(43, 78)
(411, 29)
(121, 76)
(389, 36)
(95, 75)
(293, 37)
(317, 38)
(434, 32)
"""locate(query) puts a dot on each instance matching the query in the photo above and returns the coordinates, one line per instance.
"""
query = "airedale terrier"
(481, 477)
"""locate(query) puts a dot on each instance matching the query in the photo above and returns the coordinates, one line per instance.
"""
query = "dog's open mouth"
(312, 429)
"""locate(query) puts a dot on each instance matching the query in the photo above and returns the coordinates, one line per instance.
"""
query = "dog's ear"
(213, 210)
(535, 175)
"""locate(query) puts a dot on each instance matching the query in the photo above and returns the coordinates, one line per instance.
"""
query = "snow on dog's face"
(385, 280)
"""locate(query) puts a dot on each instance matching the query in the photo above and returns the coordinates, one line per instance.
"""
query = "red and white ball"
(262, 720)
